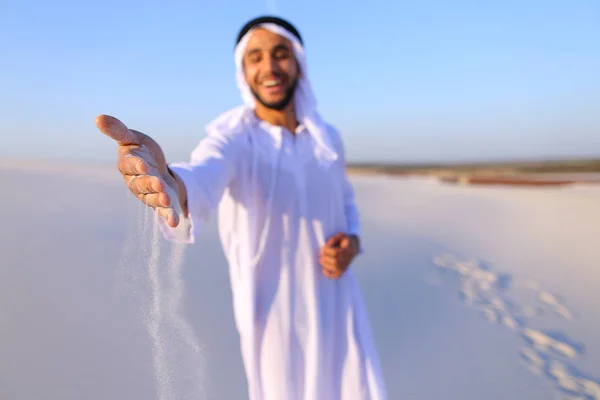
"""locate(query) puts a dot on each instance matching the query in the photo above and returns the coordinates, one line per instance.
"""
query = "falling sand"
(158, 292)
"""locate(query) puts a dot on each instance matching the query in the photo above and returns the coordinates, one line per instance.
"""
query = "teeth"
(272, 82)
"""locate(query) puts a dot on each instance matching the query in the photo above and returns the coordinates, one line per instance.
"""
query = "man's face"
(270, 68)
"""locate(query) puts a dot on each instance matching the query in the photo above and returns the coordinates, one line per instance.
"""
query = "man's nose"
(271, 64)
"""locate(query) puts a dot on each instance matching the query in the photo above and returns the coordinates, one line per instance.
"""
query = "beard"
(281, 104)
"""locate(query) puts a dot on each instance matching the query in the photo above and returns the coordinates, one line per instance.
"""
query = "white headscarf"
(304, 99)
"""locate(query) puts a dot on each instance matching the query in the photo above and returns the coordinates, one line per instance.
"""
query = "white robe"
(303, 336)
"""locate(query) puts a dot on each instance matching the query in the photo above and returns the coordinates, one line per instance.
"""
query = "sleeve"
(353, 221)
(206, 176)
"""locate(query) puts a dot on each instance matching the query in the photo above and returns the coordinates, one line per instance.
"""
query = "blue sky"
(404, 81)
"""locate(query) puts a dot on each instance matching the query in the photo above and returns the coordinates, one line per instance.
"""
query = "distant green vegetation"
(550, 166)
(571, 166)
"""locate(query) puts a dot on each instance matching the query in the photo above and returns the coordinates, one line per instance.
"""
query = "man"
(288, 222)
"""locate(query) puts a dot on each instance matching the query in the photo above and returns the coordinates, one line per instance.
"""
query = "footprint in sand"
(544, 351)
(549, 301)
(569, 382)
(555, 342)
(484, 289)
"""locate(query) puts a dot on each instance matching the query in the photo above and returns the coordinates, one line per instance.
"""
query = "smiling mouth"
(271, 83)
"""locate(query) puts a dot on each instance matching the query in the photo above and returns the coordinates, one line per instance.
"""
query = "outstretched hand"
(142, 163)
(337, 254)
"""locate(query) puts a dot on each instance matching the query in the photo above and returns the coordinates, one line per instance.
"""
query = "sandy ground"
(473, 292)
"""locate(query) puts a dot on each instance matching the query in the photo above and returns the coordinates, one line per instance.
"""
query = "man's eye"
(253, 59)
(282, 54)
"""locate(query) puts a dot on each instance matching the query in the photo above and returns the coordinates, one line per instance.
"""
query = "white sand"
(473, 292)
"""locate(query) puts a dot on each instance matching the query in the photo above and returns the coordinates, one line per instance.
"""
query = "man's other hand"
(337, 254)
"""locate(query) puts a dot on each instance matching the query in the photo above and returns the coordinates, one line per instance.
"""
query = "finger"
(331, 274)
(340, 255)
(117, 130)
(169, 215)
(140, 151)
(335, 240)
(146, 184)
(328, 263)
(345, 243)
(132, 165)
(155, 200)
(330, 251)
(330, 259)
(338, 264)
